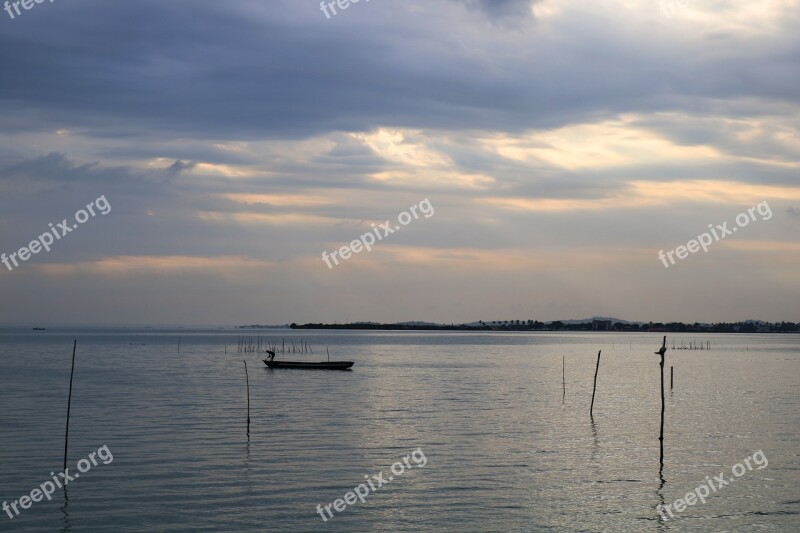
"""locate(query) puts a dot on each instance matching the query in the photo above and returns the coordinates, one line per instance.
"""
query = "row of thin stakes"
(261, 345)
(693, 345)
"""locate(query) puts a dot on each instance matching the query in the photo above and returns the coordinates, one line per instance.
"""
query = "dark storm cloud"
(280, 69)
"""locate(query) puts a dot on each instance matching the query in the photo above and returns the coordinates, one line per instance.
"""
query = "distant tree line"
(557, 325)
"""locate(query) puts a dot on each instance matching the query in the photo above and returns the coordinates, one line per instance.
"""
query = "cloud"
(244, 70)
(126, 266)
(179, 166)
(502, 10)
(559, 142)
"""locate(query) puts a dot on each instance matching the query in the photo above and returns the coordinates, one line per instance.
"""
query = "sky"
(560, 146)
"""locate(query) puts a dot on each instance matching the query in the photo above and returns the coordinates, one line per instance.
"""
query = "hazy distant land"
(589, 324)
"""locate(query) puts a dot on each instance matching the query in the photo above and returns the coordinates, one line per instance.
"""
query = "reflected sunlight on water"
(505, 451)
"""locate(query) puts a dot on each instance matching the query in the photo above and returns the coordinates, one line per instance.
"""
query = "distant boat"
(325, 365)
(39, 329)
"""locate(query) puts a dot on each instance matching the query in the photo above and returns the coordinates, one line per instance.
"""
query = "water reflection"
(660, 493)
(65, 519)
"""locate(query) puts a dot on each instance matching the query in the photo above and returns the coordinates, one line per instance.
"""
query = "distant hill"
(590, 320)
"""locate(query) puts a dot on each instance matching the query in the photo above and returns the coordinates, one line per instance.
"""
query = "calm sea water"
(505, 450)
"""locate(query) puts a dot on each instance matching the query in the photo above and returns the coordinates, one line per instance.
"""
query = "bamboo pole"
(247, 377)
(597, 368)
(563, 375)
(661, 352)
(69, 403)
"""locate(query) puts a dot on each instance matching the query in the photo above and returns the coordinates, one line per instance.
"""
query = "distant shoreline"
(595, 326)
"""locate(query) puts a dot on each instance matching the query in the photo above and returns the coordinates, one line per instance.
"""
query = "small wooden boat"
(330, 365)
(325, 365)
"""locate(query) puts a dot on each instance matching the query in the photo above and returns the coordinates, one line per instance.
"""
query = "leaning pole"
(69, 403)
(594, 388)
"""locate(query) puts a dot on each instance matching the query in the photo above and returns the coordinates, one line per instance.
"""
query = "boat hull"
(332, 365)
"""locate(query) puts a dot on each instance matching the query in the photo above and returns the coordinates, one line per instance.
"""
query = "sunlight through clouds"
(553, 137)
(607, 144)
(639, 194)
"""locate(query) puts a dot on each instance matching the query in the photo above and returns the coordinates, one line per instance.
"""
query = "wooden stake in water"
(247, 377)
(661, 352)
(69, 403)
(671, 376)
(564, 375)
(597, 368)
